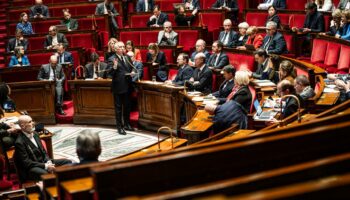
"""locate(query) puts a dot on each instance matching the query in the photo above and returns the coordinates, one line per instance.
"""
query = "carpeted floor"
(113, 144)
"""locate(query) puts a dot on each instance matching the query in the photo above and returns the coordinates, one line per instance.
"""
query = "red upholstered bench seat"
(242, 61)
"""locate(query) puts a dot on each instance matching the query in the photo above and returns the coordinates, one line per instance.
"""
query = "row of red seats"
(17, 3)
(259, 19)
(84, 24)
(186, 38)
(331, 56)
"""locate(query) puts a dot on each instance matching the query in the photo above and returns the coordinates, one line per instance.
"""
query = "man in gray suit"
(53, 39)
(167, 37)
(107, 8)
(96, 69)
(54, 72)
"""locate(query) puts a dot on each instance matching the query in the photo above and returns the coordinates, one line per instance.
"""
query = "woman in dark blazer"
(157, 57)
(272, 16)
(240, 92)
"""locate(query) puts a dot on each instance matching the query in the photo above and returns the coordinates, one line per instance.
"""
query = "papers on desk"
(194, 93)
(264, 83)
(197, 99)
(210, 101)
(331, 89)
(153, 82)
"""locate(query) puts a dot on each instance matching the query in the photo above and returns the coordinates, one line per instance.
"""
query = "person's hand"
(322, 34)
(155, 63)
(340, 83)
(51, 167)
(191, 79)
(241, 48)
(115, 63)
(306, 30)
(337, 36)
(210, 108)
(41, 16)
(332, 76)
(226, 8)
(152, 17)
(196, 83)
(12, 130)
(294, 29)
(190, 63)
(132, 74)
(195, 11)
(167, 35)
(169, 82)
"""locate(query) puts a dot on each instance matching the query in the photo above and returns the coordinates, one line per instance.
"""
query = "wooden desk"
(159, 105)
(197, 128)
(37, 98)
(93, 102)
(77, 187)
(328, 99)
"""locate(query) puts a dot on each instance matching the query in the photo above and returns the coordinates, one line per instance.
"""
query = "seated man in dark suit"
(63, 56)
(228, 36)
(31, 159)
(68, 21)
(226, 87)
(19, 40)
(184, 73)
(54, 38)
(107, 8)
(200, 48)
(96, 69)
(218, 59)
(278, 4)
(274, 41)
(158, 18)
(144, 5)
(54, 72)
(88, 147)
(303, 88)
(202, 76)
(285, 87)
(231, 6)
(39, 10)
(314, 21)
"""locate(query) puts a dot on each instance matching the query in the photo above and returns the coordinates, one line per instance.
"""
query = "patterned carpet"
(113, 144)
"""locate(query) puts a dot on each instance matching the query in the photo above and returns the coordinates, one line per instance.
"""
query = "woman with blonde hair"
(157, 57)
(287, 71)
(110, 48)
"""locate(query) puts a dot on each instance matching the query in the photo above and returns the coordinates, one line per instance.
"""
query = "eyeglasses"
(167, 26)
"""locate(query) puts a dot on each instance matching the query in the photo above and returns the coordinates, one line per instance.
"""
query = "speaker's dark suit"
(61, 38)
(224, 90)
(205, 79)
(141, 6)
(222, 61)
(121, 88)
(183, 74)
(30, 159)
(276, 45)
(89, 70)
(11, 45)
(232, 37)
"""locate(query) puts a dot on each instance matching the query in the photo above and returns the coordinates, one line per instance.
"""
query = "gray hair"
(271, 24)
(88, 145)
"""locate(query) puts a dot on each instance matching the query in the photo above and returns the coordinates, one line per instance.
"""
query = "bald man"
(39, 10)
(31, 158)
(54, 72)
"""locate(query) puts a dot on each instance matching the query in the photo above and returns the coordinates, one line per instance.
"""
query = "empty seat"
(168, 5)
(297, 20)
(318, 52)
(172, 74)
(205, 4)
(212, 20)
(147, 37)
(296, 4)
(343, 62)
(332, 56)
(36, 43)
(81, 40)
(188, 38)
(242, 61)
(139, 21)
(256, 18)
(284, 18)
(128, 35)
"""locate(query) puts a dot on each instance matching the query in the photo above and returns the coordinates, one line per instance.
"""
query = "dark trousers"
(122, 109)
(36, 172)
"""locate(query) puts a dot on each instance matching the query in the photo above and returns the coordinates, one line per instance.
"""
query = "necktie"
(224, 38)
(216, 59)
(96, 71)
(266, 47)
(54, 73)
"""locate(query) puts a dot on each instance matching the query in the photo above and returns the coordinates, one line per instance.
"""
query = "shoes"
(60, 111)
(121, 131)
(128, 127)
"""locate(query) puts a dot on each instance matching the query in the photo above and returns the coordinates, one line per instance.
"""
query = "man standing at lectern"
(121, 72)
(54, 72)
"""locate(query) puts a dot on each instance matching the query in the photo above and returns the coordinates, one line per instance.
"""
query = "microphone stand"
(137, 71)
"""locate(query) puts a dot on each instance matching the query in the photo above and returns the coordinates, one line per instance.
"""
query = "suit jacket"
(182, 19)
(279, 4)
(14, 61)
(277, 45)
(229, 3)
(89, 70)
(205, 78)
(161, 60)
(44, 72)
(44, 11)
(141, 7)
(73, 24)
(171, 41)
(163, 17)
(183, 74)
(12, 44)
(67, 58)
(241, 42)
(121, 83)
(27, 155)
(101, 7)
(222, 93)
(222, 61)
(195, 3)
(257, 41)
(233, 36)
(290, 108)
(315, 22)
(243, 97)
(274, 18)
(259, 71)
(61, 38)
(206, 53)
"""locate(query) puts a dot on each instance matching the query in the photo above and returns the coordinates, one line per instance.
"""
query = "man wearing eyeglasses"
(31, 158)
(274, 41)
(167, 37)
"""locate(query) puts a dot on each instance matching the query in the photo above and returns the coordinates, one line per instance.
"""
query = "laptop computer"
(262, 115)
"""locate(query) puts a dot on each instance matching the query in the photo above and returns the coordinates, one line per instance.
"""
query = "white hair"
(271, 24)
(243, 25)
(228, 22)
(200, 55)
